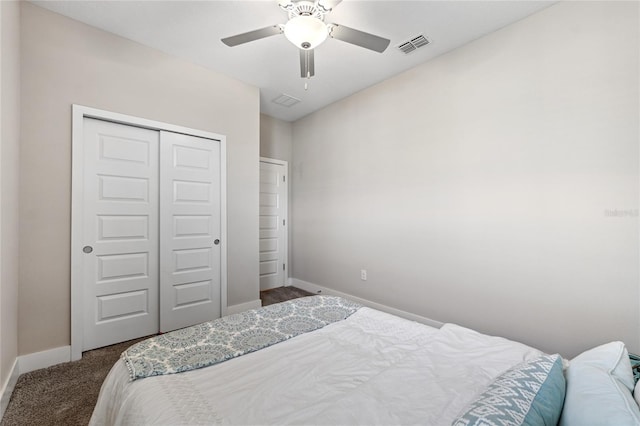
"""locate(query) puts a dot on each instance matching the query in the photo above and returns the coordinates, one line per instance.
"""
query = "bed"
(360, 366)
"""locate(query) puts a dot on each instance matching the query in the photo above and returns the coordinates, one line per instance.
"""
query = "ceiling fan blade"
(252, 35)
(328, 5)
(307, 65)
(359, 38)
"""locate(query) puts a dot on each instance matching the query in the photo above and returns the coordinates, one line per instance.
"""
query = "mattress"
(372, 368)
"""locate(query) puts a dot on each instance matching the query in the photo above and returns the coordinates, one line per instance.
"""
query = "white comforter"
(372, 368)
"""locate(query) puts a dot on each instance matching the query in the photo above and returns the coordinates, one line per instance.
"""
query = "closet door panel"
(120, 233)
(190, 230)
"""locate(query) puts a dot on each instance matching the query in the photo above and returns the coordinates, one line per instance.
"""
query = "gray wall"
(9, 155)
(275, 138)
(481, 188)
(66, 62)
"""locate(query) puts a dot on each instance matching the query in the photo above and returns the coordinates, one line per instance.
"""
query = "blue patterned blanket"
(228, 337)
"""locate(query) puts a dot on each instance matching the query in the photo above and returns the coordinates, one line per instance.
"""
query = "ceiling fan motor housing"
(305, 8)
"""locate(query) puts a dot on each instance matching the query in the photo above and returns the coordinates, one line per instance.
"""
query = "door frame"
(285, 164)
(79, 113)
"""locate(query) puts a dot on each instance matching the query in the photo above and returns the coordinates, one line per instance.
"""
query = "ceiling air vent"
(411, 45)
(285, 100)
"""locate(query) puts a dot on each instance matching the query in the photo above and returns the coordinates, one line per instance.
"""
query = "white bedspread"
(370, 369)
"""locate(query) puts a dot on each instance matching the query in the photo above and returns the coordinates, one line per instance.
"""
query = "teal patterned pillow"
(531, 393)
(635, 366)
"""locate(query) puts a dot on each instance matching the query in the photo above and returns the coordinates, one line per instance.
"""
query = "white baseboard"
(318, 289)
(7, 388)
(235, 309)
(44, 359)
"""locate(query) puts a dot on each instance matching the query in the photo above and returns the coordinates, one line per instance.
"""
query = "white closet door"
(190, 230)
(120, 233)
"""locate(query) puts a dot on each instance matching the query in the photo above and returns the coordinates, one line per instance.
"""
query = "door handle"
(216, 241)
(87, 249)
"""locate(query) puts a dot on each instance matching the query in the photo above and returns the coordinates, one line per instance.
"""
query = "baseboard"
(7, 388)
(235, 309)
(44, 359)
(318, 289)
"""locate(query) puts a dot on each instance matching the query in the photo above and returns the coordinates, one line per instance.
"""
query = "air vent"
(285, 100)
(413, 44)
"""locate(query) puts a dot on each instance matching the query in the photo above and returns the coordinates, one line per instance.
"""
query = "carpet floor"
(65, 394)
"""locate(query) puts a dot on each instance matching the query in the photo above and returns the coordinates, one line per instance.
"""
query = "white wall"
(477, 188)
(9, 154)
(66, 62)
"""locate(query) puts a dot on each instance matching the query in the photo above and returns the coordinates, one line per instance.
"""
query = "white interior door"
(190, 230)
(119, 233)
(273, 223)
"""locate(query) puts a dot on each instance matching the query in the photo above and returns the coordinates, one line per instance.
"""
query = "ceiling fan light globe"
(306, 32)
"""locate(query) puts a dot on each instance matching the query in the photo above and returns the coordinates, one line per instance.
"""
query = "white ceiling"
(192, 30)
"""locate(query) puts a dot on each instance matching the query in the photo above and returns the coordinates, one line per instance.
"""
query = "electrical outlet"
(363, 274)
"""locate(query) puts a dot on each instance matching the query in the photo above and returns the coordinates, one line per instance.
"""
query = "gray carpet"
(65, 394)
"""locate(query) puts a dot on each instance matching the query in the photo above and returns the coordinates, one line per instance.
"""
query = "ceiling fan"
(306, 29)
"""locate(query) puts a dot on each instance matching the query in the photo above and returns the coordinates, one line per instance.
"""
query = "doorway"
(273, 223)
